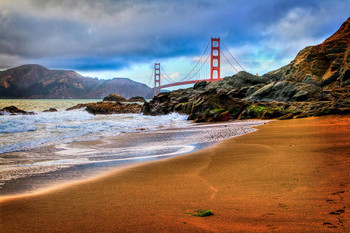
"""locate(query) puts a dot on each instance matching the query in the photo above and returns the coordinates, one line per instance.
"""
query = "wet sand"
(289, 176)
(27, 171)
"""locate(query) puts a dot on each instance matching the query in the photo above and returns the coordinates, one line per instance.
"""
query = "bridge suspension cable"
(200, 71)
(164, 77)
(200, 68)
(229, 62)
(167, 77)
(232, 56)
(150, 79)
(206, 48)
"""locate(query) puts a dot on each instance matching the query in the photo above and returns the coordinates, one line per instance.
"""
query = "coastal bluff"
(316, 82)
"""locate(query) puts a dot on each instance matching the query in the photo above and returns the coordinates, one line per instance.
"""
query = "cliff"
(316, 82)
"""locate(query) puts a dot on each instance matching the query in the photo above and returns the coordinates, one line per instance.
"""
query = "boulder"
(200, 85)
(108, 108)
(114, 97)
(76, 107)
(51, 110)
(137, 99)
(13, 110)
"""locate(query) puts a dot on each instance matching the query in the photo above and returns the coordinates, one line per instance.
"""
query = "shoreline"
(82, 160)
(289, 176)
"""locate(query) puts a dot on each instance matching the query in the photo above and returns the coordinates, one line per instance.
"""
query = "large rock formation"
(108, 108)
(320, 72)
(13, 110)
(35, 81)
(316, 82)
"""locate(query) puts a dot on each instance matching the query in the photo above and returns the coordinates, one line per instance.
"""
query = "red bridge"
(200, 70)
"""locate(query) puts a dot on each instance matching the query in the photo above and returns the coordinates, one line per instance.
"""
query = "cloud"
(174, 75)
(9, 61)
(281, 39)
(78, 29)
(90, 35)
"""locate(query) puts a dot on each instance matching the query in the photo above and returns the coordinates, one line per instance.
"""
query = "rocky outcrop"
(114, 97)
(213, 105)
(317, 70)
(119, 98)
(316, 82)
(108, 108)
(51, 110)
(13, 110)
(139, 99)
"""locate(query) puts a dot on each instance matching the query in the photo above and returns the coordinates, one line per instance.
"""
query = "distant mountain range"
(35, 81)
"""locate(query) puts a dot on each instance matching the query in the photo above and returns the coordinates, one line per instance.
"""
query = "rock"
(224, 116)
(166, 102)
(200, 85)
(326, 95)
(301, 95)
(13, 110)
(137, 99)
(242, 79)
(324, 65)
(76, 107)
(51, 110)
(114, 97)
(286, 117)
(216, 108)
(109, 108)
(263, 92)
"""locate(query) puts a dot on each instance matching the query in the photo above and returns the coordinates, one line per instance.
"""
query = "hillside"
(316, 82)
(35, 81)
(324, 68)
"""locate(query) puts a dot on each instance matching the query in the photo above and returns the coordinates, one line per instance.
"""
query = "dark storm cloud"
(109, 34)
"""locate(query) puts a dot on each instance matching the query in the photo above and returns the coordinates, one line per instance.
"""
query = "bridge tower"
(156, 78)
(215, 59)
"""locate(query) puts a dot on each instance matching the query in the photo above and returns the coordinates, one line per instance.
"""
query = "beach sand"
(289, 176)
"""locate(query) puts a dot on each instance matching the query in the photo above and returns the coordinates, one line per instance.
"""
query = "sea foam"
(23, 132)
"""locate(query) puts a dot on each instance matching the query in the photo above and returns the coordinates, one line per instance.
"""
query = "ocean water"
(53, 147)
(40, 105)
(24, 132)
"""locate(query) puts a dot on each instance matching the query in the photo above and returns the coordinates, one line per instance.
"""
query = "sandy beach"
(289, 176)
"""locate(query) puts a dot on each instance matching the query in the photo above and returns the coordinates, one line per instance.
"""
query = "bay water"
(54, 147)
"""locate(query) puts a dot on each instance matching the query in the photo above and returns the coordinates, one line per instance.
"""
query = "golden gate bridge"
(200, 72)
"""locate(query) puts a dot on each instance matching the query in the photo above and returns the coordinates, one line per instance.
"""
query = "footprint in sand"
(272, 227)
(338, 193)
(337, 212)
(329, 225)
(282, 206)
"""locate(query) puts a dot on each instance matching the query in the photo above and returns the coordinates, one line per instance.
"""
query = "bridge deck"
(188, 82)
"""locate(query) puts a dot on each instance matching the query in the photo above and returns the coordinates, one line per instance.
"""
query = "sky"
(124, 38)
